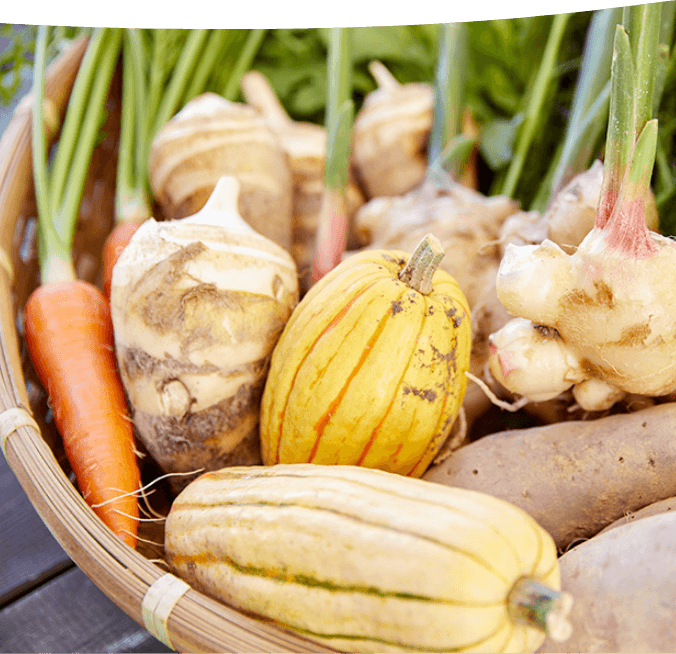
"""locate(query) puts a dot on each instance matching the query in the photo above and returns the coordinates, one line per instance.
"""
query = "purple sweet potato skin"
(576, 477)
(623, 584)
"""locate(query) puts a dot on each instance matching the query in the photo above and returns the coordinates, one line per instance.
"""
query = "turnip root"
(305, 144)
(572, 212)
(212, 137)
(624, 584)
(197, 306)
(391, 132)
(576, 477)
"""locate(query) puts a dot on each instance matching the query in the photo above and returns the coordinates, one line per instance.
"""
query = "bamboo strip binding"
(10, 421)
(159, 602)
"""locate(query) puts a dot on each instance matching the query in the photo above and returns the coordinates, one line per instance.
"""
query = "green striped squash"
(365, 560)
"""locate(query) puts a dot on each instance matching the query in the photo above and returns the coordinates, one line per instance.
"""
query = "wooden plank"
(70, 614)
(29, 554)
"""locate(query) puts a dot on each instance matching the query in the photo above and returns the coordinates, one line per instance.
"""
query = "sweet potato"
(577, 477)
(624, 585)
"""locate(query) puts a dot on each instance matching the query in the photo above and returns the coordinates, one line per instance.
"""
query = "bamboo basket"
(185, 619)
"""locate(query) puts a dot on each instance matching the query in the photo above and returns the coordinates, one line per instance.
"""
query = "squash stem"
(420, 268)
(533, 603)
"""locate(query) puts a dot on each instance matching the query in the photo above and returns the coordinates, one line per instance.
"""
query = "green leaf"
(395, 43)
(449, 87)
(642, 162)
(310, 96)
(646, 59)
(535, 103)
(621, 121)
(497, 141)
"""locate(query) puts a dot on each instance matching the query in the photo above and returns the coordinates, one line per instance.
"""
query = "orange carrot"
(69, 334)
(116, 242)
(69, 331)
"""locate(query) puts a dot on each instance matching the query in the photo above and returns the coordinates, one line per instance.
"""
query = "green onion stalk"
(332, 221)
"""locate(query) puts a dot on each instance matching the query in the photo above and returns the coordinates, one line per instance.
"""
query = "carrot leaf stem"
(39, 137)
(77, 104)
(53, 253)
(94, 116)
(161, 40)
(125, 160)
(132, 201)
(216, 45)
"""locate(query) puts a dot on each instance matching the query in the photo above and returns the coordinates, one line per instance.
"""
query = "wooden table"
(47, 604)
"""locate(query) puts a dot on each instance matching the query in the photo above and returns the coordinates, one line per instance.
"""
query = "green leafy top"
(505, 57)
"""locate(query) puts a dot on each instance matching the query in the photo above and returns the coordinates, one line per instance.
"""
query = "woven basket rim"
(195, 623)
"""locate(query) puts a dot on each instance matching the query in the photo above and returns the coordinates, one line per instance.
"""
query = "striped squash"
(364, 560)
(370, 368)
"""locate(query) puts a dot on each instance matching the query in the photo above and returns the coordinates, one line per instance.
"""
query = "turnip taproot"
(197, 306)
(577, 477)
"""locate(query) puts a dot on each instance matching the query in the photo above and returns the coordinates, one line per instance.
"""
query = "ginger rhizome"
(601, 319)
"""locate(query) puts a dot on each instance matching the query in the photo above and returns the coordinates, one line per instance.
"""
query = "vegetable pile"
(392, 332)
